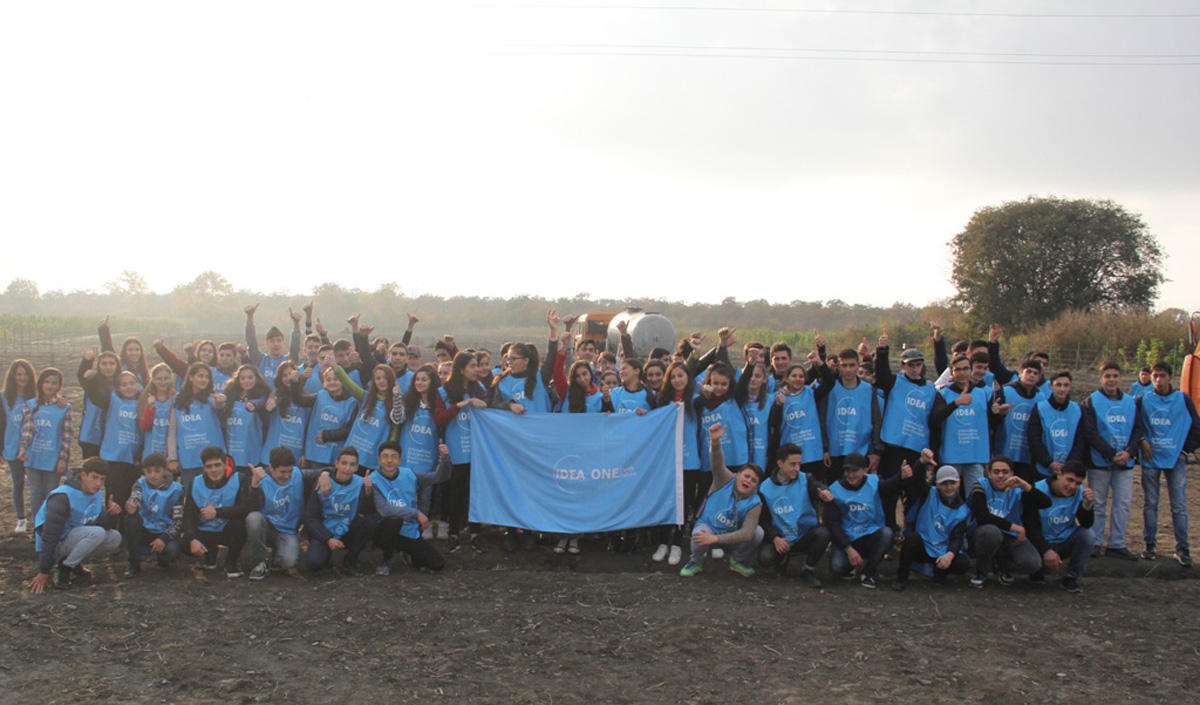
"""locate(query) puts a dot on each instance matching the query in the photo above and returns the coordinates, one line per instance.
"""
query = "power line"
(877, 59)
(842, 11)
(917, 52)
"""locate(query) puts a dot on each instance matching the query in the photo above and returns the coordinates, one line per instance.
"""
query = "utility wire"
(842, 11)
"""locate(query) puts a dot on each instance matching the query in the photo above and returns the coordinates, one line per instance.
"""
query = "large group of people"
(320, 447)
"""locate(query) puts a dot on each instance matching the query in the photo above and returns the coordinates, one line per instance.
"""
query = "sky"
(768, 149)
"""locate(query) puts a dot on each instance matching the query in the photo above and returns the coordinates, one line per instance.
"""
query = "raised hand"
(716, 432)
(884, 341)
(250, 310)
(294, 316)
(412, 320)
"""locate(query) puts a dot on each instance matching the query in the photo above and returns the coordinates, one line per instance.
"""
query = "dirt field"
(532, 627)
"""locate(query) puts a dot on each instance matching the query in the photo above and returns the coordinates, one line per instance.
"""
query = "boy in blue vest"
(216, 503)
(1014, 405)
(905, 430)
(153, 515)
(277, 497)
(998, 502)
(1112, 430)
(339, 517)
(400, 525)
(1172, 431)
(855, 519)
(72, 525)
(961, 420)
(939, 534)
(791, 523)
(730, 514)
(851, 417)
(1062, 531)
(1054, 436)
(269, 362)
(1144, 383)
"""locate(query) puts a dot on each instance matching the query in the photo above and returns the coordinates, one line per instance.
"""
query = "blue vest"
(1058, 431)
(85, 508)
(244, 434)
(756, 421)
(1012, 435)
(513, 389)
(1058, 522)
(848, 419)
(312, 385)
(223, 496)
(340, 505)
(1167, 423)
(47, 436)
(906, 415)
(122, 437)
(723, 512)
(419, 441)
(327, 414)
(458, 432)
(1114, 421)
(592, 403)
(286, 429)
(367, 433)
(283, 504)
(156, 440)
(89, 425)
(1005, 504)
(965, 434)
(157, 505)
(405, 379)
(736, 441)
(1137, 389)
(398, 493)
(791, 509)
(15, 416)
(219, 378)
(801, 424)
(268, 365)
(861, 509)
(195, 429)
(936, 521)
(627, 402)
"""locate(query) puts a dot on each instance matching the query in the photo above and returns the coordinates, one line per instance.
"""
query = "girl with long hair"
(287, 418)
(244, 415)
(154, 411)
(45, 438)
(20, 390)
(679, 388)
(371, 425)
(107, 365)
(462, 395)
(195, 423)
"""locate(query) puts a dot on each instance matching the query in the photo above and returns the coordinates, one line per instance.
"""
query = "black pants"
(355, 539)
(889, 466)
(813, 543)
(137, 538)
(389, 540)
(118, 483)
(88, 450)
(914, 552)
(233, 537)
(695, 489)
(458, 499)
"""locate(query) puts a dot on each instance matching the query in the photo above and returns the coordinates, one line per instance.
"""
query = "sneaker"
(560, 547)
(443, 529)
(80, 573)
(849, 575)
(690, 569)
(510, 541)
(718, 553)
(259, 571)
(809, 576)
(1038, 578)
(428, 532)
(455, 544)
(867, 581)
(132, 571)
(573, 546)
(1071, 585)
(1184, 558)
(22, 526)
(740, 568)
(384, 567)
(62, 577)
(660, 553)
(1150, 554)
(977, 580)
(675, 555)
(900, 585)
(478, 544)
(232, 571)
(1004, 578)
(1123, 553)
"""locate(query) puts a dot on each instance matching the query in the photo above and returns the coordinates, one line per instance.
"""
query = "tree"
(130, 283)
(1024, 262)
(207, 285)
(22, 289)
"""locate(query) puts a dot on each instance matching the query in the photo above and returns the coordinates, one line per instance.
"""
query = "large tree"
(1024, 262)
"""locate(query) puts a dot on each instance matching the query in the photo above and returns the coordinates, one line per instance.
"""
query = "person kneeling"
(855, 520)
(941, 525)
(998, 502)
(396, 490)
(1063, 531)
(791, 523)
(342, 516)
(214, 512)
(73, 525)
(729, 515)
(277, 497)
(153, 515)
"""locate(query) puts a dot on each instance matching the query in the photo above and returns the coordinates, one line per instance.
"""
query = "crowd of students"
(321, 446)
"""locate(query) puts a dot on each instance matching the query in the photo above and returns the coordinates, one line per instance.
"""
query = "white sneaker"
(675, 557)
(561, 547)
(443, 529)
(718, 553)
(427, 534)
(22, 526)
(660, 553)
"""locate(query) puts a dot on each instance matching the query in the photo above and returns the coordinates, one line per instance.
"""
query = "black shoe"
(478, 544)
(454, 544)
(1004, 578)
(1071, 585)
(1123, 553)
(1150, 554)
(809, 576)
(62, 577)
(132, 570)
(1184, 558)
(510, 542)
(867, 581)
(1038, 578)
(900, 585)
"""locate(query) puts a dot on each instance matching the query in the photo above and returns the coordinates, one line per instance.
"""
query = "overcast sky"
(485, 148)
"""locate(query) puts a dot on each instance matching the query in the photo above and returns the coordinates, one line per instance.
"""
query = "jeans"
(970, 473)
(992, 544)
(741, 552)
(1120, 481)
(83, 542)
(41, 482)
(1076, 551)
(260, 533)
(871, 547)
(1177, 491)
(17, 469)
